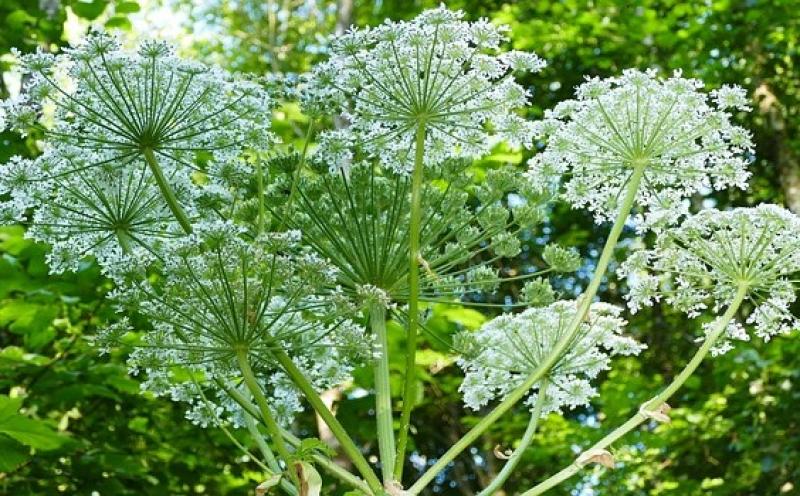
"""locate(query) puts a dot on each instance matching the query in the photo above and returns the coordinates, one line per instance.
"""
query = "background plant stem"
(719, 328)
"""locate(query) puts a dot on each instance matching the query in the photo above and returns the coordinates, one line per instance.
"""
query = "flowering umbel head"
(682, 138)
(360, 222)
(506, 350)
(435, 71)
(115, 214)
(125, 134)
(119, 103)
(221, 296)
(702, 263)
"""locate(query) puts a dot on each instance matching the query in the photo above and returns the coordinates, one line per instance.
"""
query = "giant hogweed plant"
(250, 279)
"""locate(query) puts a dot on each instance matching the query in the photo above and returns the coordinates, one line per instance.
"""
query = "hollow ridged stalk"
(349, 447)
(637, 419)
(512, 462)
(410, 387)
(166, 190)
(583, 308)
(383, 392)
(266, 413)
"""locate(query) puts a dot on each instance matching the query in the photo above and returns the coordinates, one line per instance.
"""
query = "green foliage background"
(73, 422)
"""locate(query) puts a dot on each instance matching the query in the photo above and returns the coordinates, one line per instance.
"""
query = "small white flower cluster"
(683, 139)
(220, 295)
(436, 71)
(506, 350)
(701, 264)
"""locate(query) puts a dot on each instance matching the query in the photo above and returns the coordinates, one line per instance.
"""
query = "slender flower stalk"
(311, 395)
(266, 413)
(410, 387)
(330, 466)
(524, 443)
(653, 405)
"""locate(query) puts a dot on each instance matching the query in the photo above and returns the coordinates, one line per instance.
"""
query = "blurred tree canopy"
(73, 422)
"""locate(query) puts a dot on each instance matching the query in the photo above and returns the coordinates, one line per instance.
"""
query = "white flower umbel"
(144, 107)
(666, 133)
(704, 262)
(504, 352)
(742, 259)
(114, 213)
(435, 73)
(222, 299)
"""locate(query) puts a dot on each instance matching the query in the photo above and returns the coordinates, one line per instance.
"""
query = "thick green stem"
(349, 447)
(410, 388)
(583, 308)
(269, 457)
(266, 413)
(512, 462)
(383, 392)
(327, 464)
(124, 240)
(166, 190)
(654, 404)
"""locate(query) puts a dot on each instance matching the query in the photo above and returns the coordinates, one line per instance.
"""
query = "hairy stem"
(349, 447)
(410, 388)
(583, 308)
(266, 413)
(383, 392)
(655, 403)
(512, 462)
(166, 190)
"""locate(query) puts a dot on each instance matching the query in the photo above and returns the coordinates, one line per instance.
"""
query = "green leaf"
(127, 8)
(18, 19)
(33, 433)
(90, 9)
(9, 407)
(119, 22)
(12, 454)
